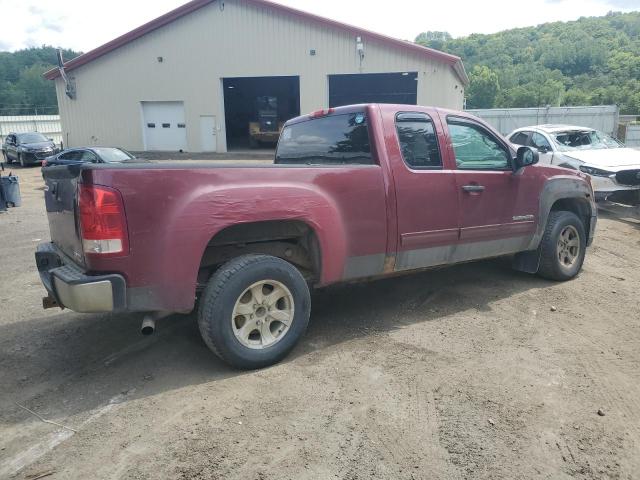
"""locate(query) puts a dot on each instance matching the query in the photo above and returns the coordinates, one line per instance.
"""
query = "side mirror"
(526, 156)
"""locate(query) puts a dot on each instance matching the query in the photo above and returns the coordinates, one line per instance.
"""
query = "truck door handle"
(473, 188)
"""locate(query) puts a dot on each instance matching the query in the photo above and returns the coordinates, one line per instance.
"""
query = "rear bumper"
(70, 286)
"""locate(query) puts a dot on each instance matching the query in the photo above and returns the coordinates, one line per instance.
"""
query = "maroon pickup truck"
(355, 193)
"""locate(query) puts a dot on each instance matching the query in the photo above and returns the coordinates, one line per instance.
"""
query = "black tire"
(551, 267)
(219, 299)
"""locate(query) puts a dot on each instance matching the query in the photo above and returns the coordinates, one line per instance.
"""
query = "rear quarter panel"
(172, 214)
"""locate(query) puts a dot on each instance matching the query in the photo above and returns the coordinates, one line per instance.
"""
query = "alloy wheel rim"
(262, 314)
(568, 246)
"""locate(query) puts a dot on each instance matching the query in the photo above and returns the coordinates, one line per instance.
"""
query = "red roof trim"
(194, 5)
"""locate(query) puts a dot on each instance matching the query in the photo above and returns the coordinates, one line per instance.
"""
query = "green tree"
(23, 89)
(483, 87)
(590, 61)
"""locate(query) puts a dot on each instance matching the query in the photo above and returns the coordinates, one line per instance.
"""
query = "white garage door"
(163, 126)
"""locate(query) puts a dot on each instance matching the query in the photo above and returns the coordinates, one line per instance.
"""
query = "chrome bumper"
(70, 287)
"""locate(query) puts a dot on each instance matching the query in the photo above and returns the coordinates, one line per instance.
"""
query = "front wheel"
(254, 310)
(563, 246)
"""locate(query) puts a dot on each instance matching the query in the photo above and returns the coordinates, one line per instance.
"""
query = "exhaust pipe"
(148, 325)
(149, 322)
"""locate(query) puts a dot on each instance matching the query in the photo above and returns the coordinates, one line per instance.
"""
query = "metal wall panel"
(633, 136)
(506, 120)
(237, 40)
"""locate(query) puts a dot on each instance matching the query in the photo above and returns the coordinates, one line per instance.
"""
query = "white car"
(614, 168)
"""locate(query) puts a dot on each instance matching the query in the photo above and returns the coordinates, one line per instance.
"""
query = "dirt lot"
(461, 373)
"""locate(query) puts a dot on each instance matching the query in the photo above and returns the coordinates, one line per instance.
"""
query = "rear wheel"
(563, 246)
(254, 310)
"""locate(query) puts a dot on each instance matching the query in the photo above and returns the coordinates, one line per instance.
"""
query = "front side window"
(540, 142)
(475, 148)
(88, 156)
(418, 141)
(72, 155)
(111, 155)
(333, 140)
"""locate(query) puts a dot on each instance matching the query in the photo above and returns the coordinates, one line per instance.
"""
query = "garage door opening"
(163, 126)
(373, 88)
(256, 107)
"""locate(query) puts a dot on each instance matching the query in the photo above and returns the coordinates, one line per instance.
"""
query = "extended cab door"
(497, 206)
(426, 194)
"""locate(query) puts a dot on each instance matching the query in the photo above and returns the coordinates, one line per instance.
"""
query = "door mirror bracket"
(525, 157)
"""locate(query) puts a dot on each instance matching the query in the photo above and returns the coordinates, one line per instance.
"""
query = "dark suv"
(27, 148)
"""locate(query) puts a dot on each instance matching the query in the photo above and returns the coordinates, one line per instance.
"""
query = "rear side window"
(331, 140)
(418, 141)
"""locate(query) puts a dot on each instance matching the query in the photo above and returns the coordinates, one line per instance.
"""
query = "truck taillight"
(103, 226)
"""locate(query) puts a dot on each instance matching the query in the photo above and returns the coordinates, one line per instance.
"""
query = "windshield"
(584, 140)
(32, 138)
(110, 155)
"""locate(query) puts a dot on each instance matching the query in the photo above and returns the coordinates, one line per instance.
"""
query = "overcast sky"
(86, 24)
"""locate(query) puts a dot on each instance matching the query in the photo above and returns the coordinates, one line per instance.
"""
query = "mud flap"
(527, 262)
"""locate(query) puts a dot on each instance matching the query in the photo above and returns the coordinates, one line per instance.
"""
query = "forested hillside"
(23, 90)
(591, 61)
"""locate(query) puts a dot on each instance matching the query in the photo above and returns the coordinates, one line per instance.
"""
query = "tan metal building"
(189, 80)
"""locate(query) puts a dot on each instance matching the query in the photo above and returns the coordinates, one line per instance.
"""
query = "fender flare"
(563, 187)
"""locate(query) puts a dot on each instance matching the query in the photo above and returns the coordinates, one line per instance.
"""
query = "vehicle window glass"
(88, 156)
(584, 140)
(539, 141)
(72, 155)
(113, 154)
(519, 138)
(476, 149)
(418, 141)
(334, 139)
(32, 138)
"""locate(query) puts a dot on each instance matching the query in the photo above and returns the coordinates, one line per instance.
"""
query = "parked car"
(614, 168)
(27, 148)
(75, 156)
(355, 192)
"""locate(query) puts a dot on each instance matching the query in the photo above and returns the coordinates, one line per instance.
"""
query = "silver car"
(614, 168)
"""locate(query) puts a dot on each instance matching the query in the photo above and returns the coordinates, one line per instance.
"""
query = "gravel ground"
(470, 372)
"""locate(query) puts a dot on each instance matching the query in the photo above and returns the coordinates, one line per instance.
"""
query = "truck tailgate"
(61, 203)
